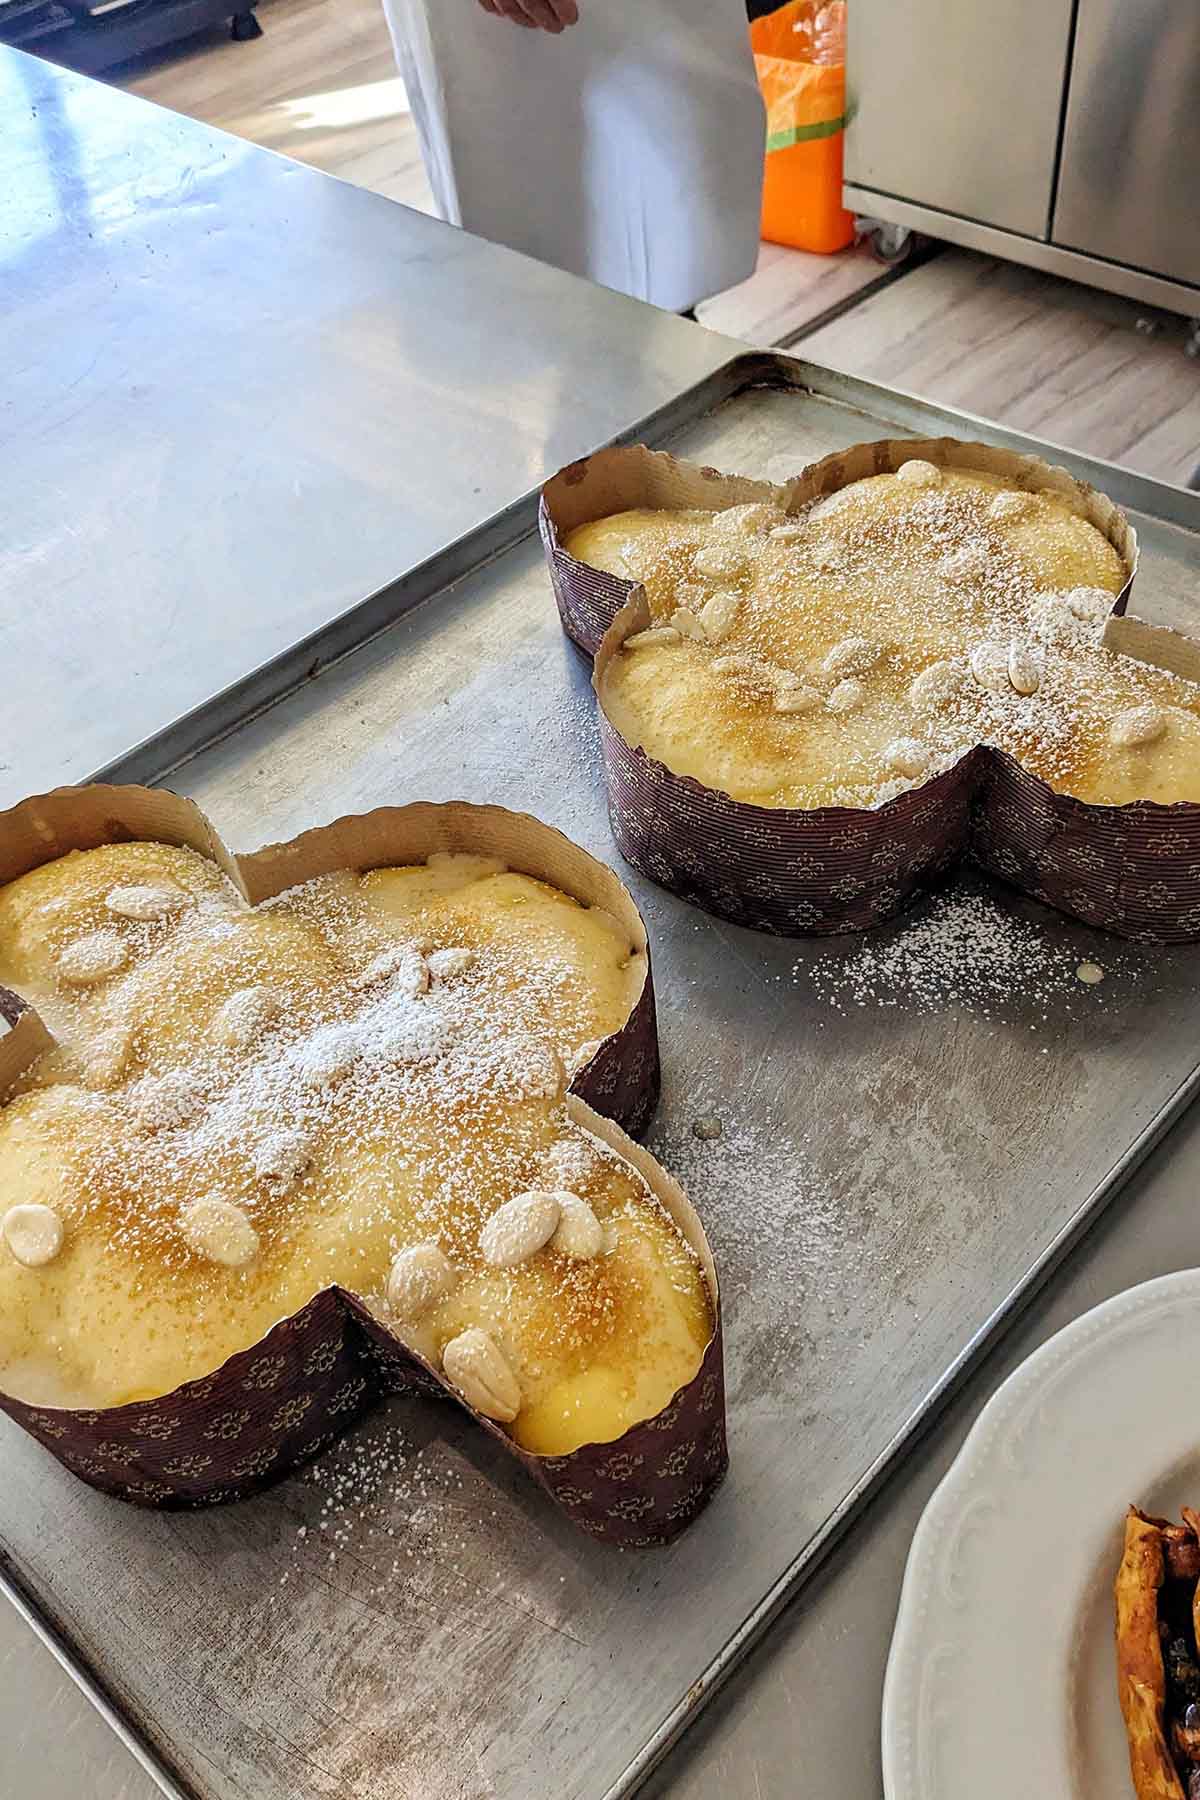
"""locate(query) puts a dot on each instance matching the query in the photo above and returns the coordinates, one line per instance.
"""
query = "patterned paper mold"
(1132, 869)
(630, 476)
(610, 481)
(272, 1407)
(793, 873)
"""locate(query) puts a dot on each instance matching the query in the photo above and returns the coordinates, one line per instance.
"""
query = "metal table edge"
(88, 1681)
(157, 756)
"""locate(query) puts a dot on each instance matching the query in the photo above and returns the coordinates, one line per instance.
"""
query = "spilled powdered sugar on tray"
(567, 726)
(383, 1502)
(786, 1223)
(753, 1186)
(970, 951)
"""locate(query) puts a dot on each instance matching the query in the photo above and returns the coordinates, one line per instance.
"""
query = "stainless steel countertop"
(239, 397)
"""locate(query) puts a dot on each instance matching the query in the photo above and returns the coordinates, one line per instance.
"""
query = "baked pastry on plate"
(1158, 1654)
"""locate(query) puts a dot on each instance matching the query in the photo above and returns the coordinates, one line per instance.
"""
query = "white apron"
(629, 149)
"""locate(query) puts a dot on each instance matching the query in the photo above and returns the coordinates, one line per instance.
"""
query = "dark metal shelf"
(80, 40)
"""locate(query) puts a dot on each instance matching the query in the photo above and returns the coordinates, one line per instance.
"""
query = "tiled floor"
(791, 292)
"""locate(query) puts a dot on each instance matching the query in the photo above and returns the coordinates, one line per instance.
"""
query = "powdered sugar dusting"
(755, 1186)
(859, 597)
(343, 1064)
(376, 1494)
(968, 951)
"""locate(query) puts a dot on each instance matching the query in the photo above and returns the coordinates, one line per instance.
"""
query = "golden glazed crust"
(245, 1105)
(846, 653)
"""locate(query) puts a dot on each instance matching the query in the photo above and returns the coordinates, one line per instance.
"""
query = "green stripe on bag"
(803, 134)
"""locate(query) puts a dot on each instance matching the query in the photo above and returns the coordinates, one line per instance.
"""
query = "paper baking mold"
(274, 1406)
(1132, 869)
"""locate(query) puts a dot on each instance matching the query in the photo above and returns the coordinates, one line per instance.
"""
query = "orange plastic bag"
(806, 113)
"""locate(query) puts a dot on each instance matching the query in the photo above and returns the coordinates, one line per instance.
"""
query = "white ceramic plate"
(1001, 1680)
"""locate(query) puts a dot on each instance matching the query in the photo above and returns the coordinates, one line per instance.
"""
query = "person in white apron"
(627, 148)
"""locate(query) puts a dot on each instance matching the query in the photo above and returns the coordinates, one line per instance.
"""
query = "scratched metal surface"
(886, 1183)
(223, 372)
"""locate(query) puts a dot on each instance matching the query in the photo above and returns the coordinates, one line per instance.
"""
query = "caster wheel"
(245, 27)
(891, 243)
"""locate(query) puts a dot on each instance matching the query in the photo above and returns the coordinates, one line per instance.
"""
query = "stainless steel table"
(223, 373)
(240, 398)
(802, 1716)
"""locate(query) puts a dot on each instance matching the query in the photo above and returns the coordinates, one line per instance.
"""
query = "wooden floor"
(1061, 361)
(792, 292)
(320, 85)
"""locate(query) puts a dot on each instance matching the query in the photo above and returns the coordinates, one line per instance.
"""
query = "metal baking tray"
(889, 1185)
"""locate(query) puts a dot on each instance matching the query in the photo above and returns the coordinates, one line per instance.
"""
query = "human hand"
(536, 15)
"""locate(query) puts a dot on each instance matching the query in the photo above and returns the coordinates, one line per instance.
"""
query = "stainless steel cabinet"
(1060, 133)
(957, 102)
(1129, 186)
